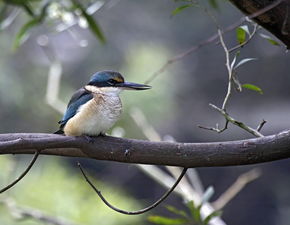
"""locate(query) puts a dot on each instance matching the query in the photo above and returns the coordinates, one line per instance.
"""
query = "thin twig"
(237, 123)
(261, 125)
(166, 194)
(283, 30)
(30, 213)
(222, 110)
(229, 68)
(209, 40)
(216, 129)
(252, 34)
(236, 187)
(23, 173)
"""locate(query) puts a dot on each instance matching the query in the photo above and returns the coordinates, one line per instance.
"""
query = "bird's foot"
(102, 135)
(89, 139)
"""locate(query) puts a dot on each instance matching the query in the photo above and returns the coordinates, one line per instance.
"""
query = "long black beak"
(133, 86)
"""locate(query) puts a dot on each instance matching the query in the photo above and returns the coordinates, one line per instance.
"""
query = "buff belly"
(94, 117)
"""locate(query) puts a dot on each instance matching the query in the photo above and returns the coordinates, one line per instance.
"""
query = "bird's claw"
(89, 139)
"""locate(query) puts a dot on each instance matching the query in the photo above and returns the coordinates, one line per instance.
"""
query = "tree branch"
(275, 20)
(236, 187)
(137, 212)
(210, 40)
(242, 152)
(22, 213)
(23, 173)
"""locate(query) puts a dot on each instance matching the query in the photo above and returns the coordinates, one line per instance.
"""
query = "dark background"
(141, 36)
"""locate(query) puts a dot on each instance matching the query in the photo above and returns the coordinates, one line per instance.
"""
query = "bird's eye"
(112, 81)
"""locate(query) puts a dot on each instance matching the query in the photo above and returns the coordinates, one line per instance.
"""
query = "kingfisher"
(96, 107)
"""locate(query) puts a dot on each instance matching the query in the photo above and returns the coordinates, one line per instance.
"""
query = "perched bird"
(96, 107)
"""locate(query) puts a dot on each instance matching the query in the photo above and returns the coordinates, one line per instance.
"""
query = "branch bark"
(275, 20)
(230, 153)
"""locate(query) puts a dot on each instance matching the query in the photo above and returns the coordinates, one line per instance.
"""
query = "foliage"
(269, 39)
(191, 216)
(242, 32)
(65, 12)
(181, 8)
(184, 217)
(253, 88)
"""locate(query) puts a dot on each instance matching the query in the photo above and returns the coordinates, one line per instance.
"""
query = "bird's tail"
(59, 132)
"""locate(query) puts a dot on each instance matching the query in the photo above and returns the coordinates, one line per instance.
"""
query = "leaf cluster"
(50, 12)
(192, 216)
(243, 35)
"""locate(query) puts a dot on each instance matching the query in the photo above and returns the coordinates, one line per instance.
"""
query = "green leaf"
(253, 88)
(212, 215)
(269, 39)
(241, 33)
(176, 211)
(197, 214)
(94, 27)
(180, 9)
(191, 207)
(243, 61)
(22, 34)
(195, 211)
(166, 221)
(25, 4)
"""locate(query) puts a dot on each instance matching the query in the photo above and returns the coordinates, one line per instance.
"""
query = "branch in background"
(194, 190)
(236, 187)
(166, 194)
(23, 173)
(29, 213)
(188, 191)
(210, 40)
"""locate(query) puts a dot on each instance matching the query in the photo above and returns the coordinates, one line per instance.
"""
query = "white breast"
(95, 117)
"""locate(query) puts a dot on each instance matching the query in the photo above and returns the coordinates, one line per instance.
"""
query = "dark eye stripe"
(112, 81)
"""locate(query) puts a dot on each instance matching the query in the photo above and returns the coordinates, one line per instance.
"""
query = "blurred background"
(140, 37)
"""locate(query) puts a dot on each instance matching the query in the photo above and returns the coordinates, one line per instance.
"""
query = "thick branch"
(258, 150)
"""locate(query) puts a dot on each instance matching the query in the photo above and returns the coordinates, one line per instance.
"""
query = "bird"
(96, 107)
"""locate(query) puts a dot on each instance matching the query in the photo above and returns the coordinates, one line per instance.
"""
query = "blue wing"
(78, 99)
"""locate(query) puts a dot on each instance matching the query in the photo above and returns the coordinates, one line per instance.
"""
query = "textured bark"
(275, 20)
(242, 152)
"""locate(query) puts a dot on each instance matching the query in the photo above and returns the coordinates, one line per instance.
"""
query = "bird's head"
(111, 81)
